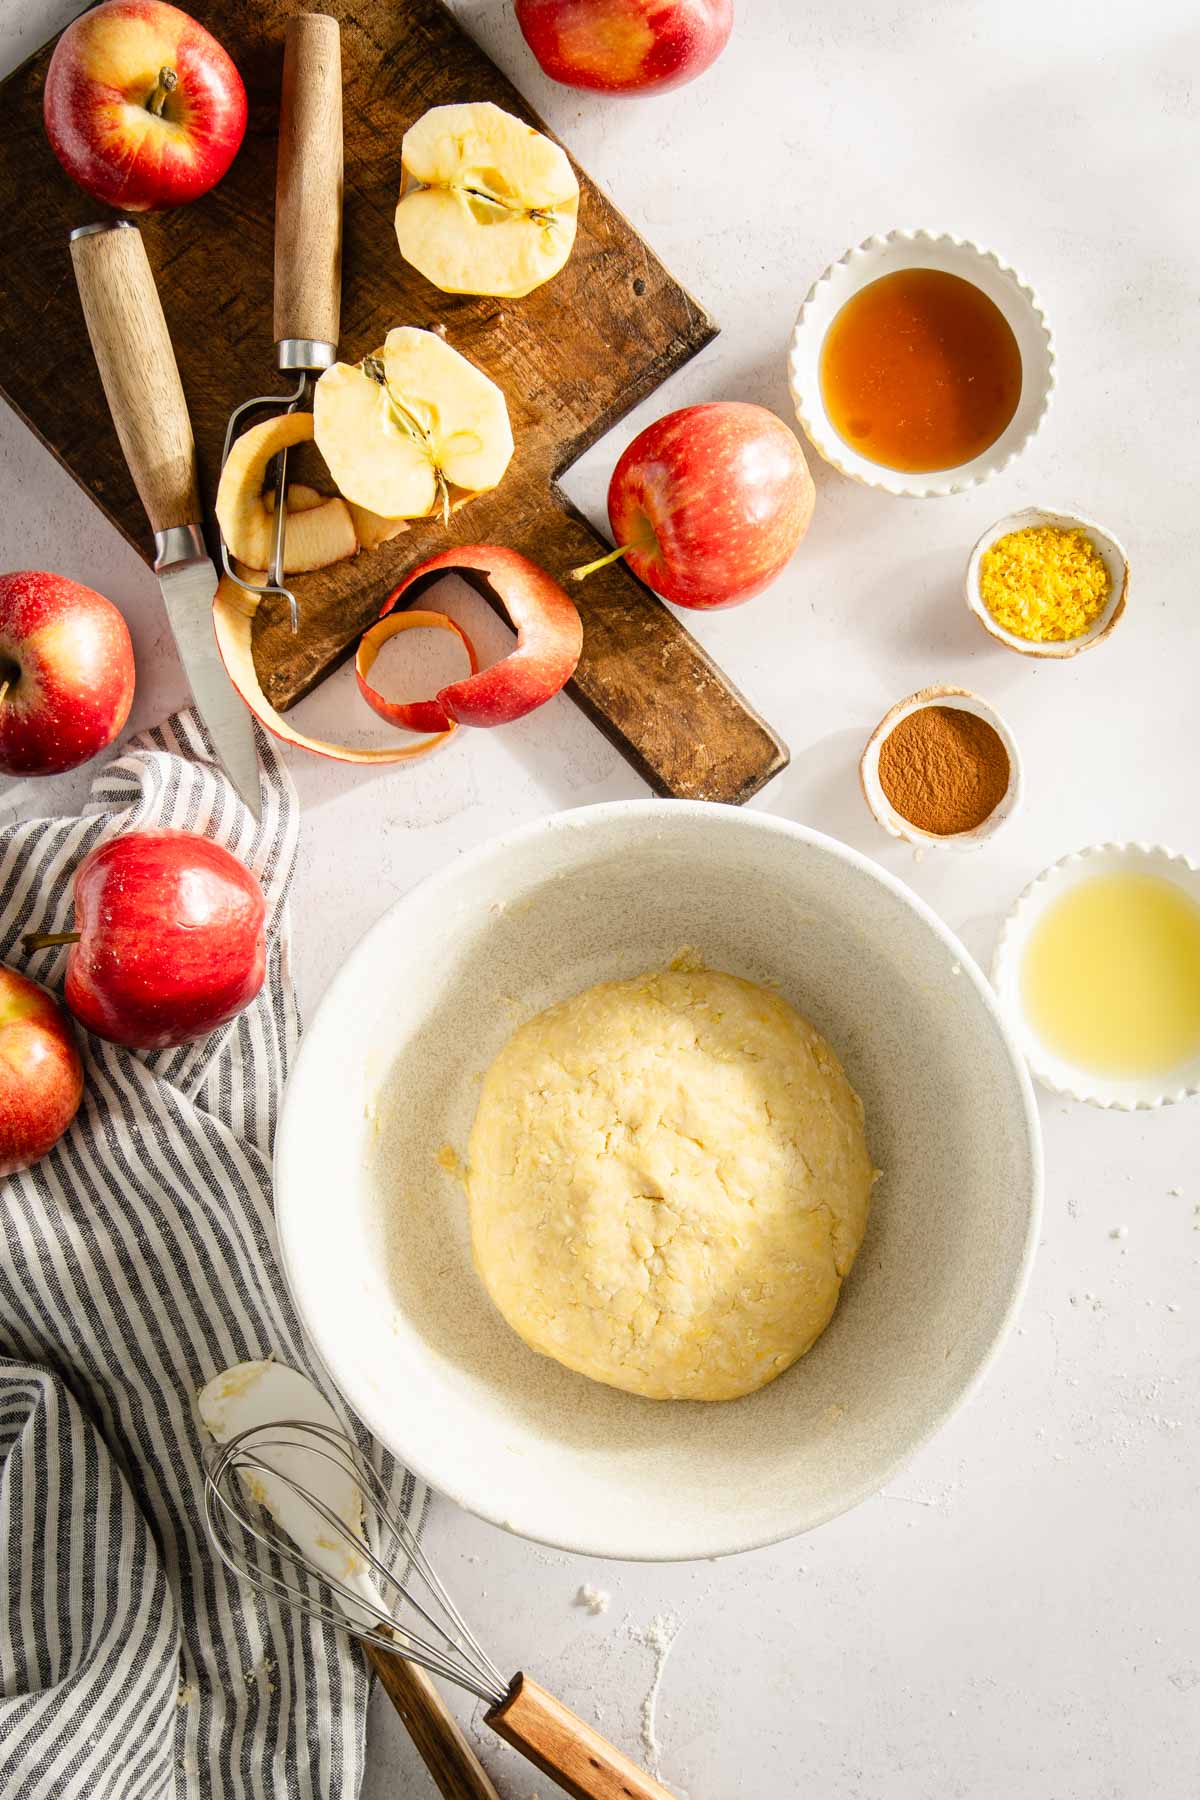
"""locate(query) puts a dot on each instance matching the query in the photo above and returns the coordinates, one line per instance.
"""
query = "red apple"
(66, 673)
(168, 939)
(709, 503)
(41, 1076)
(549, 640)
(625, 46)
(143, 107)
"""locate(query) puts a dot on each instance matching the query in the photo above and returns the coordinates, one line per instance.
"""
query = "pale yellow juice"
(1110, 978)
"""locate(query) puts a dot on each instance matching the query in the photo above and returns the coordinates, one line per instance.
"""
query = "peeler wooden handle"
(567, 1749)
(137, 366)
(308, 186)
(443, 1745)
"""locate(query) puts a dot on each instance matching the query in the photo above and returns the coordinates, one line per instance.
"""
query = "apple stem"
(46, 940)
(4, 687)
(166, 84)
(602, 562)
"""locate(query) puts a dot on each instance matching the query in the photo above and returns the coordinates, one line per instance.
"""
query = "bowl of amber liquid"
(921, 364)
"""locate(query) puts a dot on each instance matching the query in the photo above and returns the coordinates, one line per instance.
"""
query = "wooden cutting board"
(572, 358)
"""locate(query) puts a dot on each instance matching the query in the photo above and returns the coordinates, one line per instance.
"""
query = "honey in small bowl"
(920, 371)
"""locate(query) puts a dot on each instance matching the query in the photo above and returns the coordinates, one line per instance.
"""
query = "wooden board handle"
(646, 682)
(308, 185)
(443, 1745)
(567, 1749)
(137, 367)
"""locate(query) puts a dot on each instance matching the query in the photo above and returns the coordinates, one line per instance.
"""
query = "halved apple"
(487, 204)
(405, 426)
(315, 537)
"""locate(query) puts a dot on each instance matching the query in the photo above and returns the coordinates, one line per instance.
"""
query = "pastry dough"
(668, 1181)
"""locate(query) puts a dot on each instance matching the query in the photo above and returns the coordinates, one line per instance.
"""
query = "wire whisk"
(372, 1594)
(370, 1575)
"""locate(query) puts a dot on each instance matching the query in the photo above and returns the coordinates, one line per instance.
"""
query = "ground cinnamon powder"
(944, 770)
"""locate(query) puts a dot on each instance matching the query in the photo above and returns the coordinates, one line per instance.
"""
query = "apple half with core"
(487, 204)
(315, 536)
(41, 1076)
(549, 641)
(408, 428)
(709, 503)
(168, 940)
(66, 673)
(625, 46)
(143, 108)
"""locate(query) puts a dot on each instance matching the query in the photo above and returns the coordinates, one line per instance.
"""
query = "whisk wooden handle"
(308, 187)
(566, 1749)
(443, 1744)
(137, 367)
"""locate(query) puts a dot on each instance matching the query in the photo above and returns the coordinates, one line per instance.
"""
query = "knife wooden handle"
(444, 1747)
(137, 366)
(567, 1749)
(308, 186)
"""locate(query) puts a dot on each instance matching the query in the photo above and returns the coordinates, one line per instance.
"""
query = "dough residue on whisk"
(252, 1395)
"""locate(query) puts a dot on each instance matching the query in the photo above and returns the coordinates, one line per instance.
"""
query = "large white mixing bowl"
(373, 1222)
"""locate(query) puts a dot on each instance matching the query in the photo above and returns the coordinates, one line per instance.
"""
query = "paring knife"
(145, 396)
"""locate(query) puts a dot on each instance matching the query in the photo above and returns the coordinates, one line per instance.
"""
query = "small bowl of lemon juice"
(1098, 970)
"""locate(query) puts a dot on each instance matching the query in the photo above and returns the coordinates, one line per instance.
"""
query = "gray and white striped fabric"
(139, 1259)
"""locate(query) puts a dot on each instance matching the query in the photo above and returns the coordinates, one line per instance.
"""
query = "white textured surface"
(1015, 1616)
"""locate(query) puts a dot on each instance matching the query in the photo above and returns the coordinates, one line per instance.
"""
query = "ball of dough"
(668, 1180)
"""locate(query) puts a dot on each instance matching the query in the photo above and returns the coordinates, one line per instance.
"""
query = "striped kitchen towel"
(139, 1259)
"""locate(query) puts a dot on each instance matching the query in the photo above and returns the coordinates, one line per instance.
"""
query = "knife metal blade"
(188, 586)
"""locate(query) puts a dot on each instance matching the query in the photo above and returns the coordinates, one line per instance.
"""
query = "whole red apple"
(625, 46)
(66, 673)
(168, 939)
(710, 502)
(143, 107)
(41, 1076)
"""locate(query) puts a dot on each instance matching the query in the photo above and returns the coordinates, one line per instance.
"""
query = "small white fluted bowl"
(1129, 1094)
(1115, 561)
(913, 249)
(374, 1229)
(893, 822)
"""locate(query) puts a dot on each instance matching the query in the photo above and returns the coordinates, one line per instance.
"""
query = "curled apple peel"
(316, 536)
(232, 625)
(411, 715)
(549, 639)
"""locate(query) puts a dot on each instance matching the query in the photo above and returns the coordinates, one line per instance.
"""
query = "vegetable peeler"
(308, 254)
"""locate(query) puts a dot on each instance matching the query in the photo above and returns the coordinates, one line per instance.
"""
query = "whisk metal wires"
(408, 1612)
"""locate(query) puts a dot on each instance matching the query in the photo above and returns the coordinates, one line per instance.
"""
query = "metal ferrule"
(305, 353)
(82, 231)
(178, 544)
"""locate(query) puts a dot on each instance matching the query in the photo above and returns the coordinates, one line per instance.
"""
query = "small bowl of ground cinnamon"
(942, 767)
(1047, 584)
